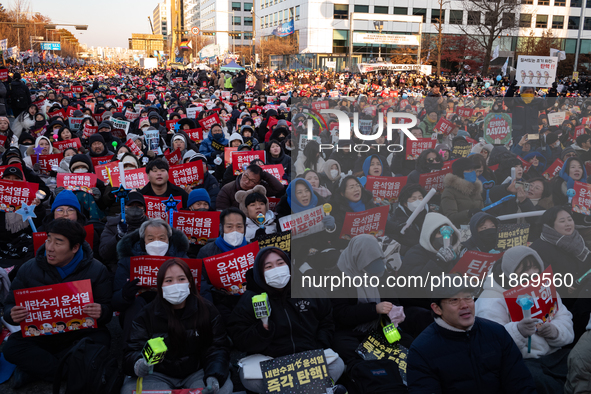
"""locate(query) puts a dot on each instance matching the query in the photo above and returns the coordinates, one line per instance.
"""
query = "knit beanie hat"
(198, 195)
(67, 198)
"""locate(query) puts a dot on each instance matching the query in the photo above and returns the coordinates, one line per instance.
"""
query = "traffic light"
(208, 33)
(236, 35)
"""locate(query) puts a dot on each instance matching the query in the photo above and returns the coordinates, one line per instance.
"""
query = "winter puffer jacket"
(459, 197)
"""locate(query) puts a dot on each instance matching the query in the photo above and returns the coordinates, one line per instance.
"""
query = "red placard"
(17, 165)
(170, 124)
(188, 174)
(228, 155)
(99, 161)
(3, 139)
(77, 89)
(385, 188)
(434, 180)
(582, 198)
(526, 165)
(83, 182)
(46, 161)
(174, 157)
(273, 201)
(4, 75)
(106, 172)
(198, 226)
(545, 299)
(553, 170)
(371, 221)
(15, 193)
(465, 112)
(146, 269)
(241, 159)
(195, 135)
(155, 208)
(39, 238)
(70, 111)
(228, 270)
(63, 145)
(475, 263)
(134, 148)
(415, 147)
(88, 130)
(209, 121)
(277, 171)
(134, 179)
(318, 105)
(494, 168)
(444, 126)
(59, 112)
(55, 309)
(579, 130)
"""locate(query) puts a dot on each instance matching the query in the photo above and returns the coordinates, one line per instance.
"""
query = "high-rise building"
(161, 18)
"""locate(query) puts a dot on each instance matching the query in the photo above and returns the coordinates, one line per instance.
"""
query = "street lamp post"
(379, 26)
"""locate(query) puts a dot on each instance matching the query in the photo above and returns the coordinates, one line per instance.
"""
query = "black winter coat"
(198, 352)
(412, 234)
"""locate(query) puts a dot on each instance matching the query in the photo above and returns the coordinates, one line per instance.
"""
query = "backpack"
(90, 370)
(377, 377)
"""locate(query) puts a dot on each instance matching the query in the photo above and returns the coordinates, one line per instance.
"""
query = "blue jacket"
(208, 150)
(484, 360)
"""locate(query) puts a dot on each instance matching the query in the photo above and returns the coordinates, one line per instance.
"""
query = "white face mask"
(145, 128)
(120, 155)
(157, 248)
(334, 173)
(234, 238)
(80, 170)
(177, 293)
(414, 205)
(278, 277)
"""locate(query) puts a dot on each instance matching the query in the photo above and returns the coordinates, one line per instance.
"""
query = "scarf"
(322, 191)
(573, 244)
(226, 247)
(71, 266)
(293, 202)
(358, 206)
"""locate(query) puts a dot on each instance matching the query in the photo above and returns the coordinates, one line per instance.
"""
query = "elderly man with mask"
(154, 238)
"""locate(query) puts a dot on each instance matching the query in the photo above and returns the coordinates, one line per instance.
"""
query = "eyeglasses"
(68, 211)
(432, 160)
(354, 187)
(249, 180)
(456, 301)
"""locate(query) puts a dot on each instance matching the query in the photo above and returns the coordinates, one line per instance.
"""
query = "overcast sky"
(110, 22)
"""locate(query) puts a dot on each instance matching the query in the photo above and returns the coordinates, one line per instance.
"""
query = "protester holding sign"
(429, 160)
(213, 146)
(483, 233)
(408, 201)
(159, 185)
(548, 336)
(275, 155)
(198, 349)
(294, 324)
(65, 257)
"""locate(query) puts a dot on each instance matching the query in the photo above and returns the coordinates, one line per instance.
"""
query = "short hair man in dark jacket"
(464, 354)
(65, 257)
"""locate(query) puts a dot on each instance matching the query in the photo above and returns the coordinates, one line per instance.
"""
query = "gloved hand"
(213, 386)
(328, 222)
(130, 289)
(121, 229)
(217, 161)
(96, 193)
(141, 368)
(446, 254)
(527, 327)
(57, 191)
(37, 167)
(548, 331)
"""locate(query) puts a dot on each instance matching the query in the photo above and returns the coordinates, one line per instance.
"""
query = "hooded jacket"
(283, 159)
(295, 324)
(475, 242)
(131, 245)
(459, 197)
(206, 148)
(491, 305)
(536, 172)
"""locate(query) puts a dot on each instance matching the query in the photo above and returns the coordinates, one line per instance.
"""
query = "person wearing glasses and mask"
(429, 160)
(463, 354)
(547, 338)
(252, 176)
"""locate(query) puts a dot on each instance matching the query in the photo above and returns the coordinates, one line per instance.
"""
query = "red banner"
(134, 179)
(63, 145)
(174, 157)
(188, 174)
(242, 159)
(273, 201)
(89, 130)
(170, 124)
(55, 309)
(59, 112)
(318, 105)
(434, 180)
(228, 270)
(371, 221)
(46, 161)
(209, 121)
(544, 297)
(475, 263)
(277, 171)
(154, 207)
(106, 172)
(553, 170)
(134, 148)
(97, 161)
(444, 126)
(525, 164)
(195, 135)
(17, 165)
(39, 238)
(146, 269)
(77, 89)
(415, 147)
(4, 75)
(14, 193)
(83, 182)
(582, 198)
(385, 188)
(198, 226)
(228, 155)
(465, 112)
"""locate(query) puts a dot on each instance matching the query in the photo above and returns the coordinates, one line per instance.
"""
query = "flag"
(495, 53)
(561, 55)
(184, 44)
(504, 68)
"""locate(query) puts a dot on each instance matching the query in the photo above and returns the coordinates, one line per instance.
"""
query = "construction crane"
(151, 26)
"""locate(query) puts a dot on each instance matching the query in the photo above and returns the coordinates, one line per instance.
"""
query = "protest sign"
(171, 125)
(280, 240)
(174, 157)
(209, 121)
(415, 147)
(47, 161)
(544, 298)
(273, 201)
(305, 372)
(525, 164)
(188, 174)
(89, 130)
(377, 347)
(75, 123)
(59, 113)
(228, 270)
(155, 209)
(497, 128)
(582, 199)
(146, 269)
(465, 112)
(228, 155)
(55, 309)
(475, 263)
(77, 89)
(63, 145)
(461, 150)
(385, 188)
(134, 179)
(553, 170)
(40, 237)
(75, 182)
(120, 127)
(195, 135)
(241, 160)
(198, 226)
(3, 168)
(556, 118)
(444, 126)
(134, 148)
(192, 112)
(318, 105)
(277, 171)
(105, 172)
(371, 221)
(511, 235)
(131, 116)
(152, 138)
(434, 180)
(536, 71)
(13, 194)
(303, 223)
(365, 126)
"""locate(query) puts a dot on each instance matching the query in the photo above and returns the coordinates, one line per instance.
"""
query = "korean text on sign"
(385, 188)
(13, 194)
(145, 268)
(304, 372)
(198, 226)
(303, 223)
(228, 270)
